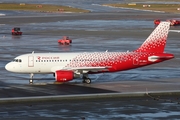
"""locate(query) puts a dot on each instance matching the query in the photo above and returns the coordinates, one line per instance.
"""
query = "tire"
(88, 80)
(31, 81)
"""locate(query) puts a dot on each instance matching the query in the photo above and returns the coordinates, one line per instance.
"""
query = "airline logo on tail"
(67, 66)
(157, 40)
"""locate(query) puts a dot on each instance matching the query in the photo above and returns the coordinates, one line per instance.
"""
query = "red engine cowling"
(64, 76)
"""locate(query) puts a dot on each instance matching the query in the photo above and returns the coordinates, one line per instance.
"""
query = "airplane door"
(135, 60)
(30, 61)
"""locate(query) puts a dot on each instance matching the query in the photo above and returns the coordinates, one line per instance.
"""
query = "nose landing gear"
(31, 78)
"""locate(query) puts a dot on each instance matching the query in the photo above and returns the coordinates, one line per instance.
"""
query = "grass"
(39, 8)
(171, 8)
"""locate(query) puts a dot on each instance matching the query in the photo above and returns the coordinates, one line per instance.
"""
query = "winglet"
(157, 39)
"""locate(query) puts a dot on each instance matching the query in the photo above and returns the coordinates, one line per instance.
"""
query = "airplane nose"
(8, 67)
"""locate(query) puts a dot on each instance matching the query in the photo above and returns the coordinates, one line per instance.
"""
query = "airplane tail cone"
(157, 39)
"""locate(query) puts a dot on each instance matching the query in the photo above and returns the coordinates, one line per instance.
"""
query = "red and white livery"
(68, 66)
(173, 21)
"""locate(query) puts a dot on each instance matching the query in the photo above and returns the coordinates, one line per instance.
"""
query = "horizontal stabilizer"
(178, 31)
(160, 57)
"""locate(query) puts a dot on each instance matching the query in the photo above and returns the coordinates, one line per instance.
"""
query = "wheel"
(87, 80)
(30, 81)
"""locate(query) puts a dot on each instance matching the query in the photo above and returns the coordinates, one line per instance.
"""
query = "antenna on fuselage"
(32, 52)
(106, 50)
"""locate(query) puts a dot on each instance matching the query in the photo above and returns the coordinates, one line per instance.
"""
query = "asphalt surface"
(105, 28)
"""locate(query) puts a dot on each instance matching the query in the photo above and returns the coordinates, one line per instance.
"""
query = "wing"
(88, 69)
(83, 69)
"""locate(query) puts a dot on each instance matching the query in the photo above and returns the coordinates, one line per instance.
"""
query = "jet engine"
(64, 75)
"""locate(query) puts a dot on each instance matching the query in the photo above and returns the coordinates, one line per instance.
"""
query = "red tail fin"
(157, 40)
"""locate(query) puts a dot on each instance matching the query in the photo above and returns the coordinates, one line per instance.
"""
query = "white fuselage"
(52, 62)
(40, 62)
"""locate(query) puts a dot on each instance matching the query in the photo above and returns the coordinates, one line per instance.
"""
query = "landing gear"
(31, 78)
(86, 79)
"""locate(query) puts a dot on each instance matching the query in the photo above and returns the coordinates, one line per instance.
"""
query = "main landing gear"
(31, 78)
(86, 79)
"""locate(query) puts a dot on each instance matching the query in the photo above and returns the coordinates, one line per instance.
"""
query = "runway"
(121, 95)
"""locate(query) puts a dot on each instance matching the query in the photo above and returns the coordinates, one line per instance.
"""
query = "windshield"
(17, 60)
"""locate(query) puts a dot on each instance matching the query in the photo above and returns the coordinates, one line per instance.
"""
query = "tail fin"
(156, 41)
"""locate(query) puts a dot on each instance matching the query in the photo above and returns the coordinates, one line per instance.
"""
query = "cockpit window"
(17, 60)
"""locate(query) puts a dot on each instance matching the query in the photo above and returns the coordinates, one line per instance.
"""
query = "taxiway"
(110, 29)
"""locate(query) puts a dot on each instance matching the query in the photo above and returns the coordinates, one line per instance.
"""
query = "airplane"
(68, 66)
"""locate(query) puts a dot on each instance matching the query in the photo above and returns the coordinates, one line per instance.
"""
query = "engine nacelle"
(64, 75)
